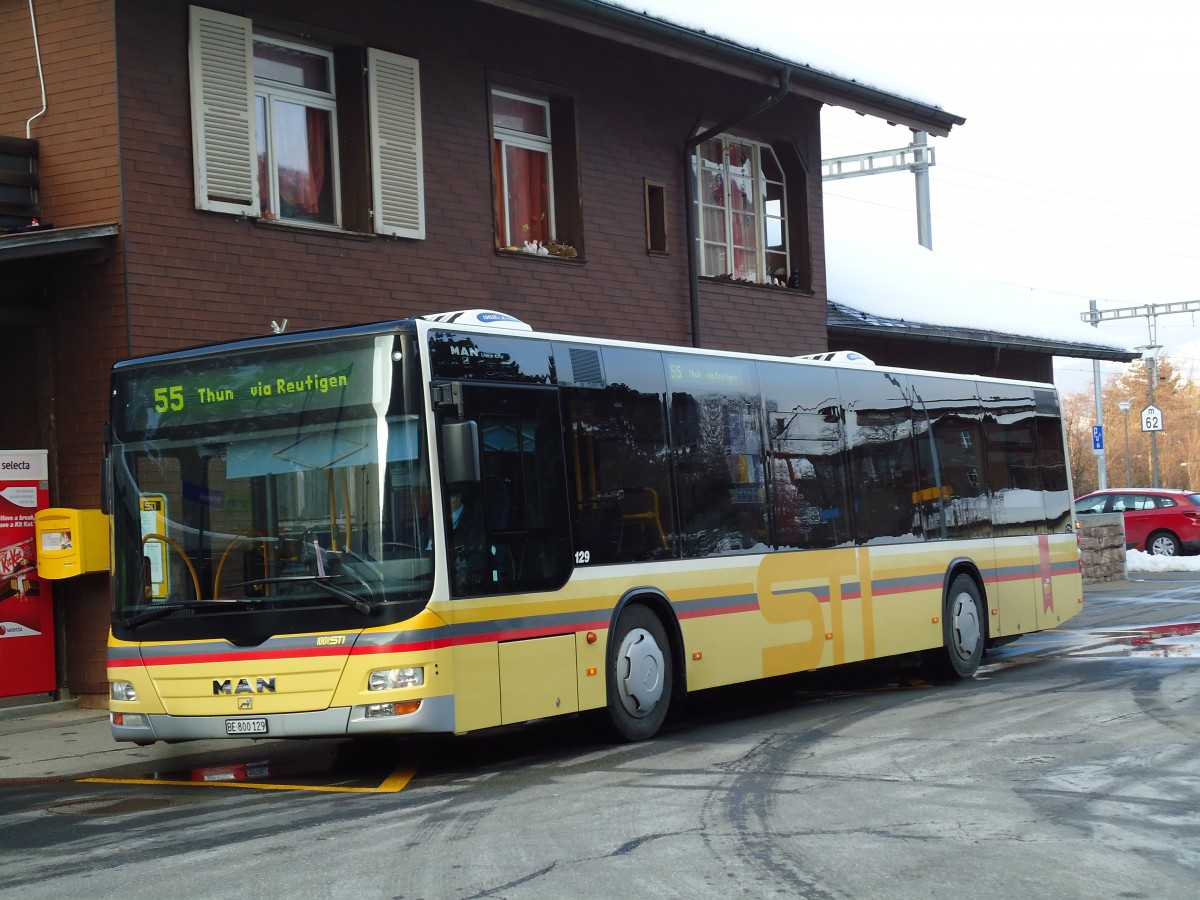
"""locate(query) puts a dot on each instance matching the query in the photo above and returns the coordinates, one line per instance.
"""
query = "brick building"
(198, 172)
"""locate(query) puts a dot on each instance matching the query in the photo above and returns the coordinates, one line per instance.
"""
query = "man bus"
(648, 521)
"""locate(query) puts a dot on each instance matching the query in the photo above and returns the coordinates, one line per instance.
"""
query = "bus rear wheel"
(963, 632)
(639, 674)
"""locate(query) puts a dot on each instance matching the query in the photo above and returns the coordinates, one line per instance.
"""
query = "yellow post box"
(71, 542)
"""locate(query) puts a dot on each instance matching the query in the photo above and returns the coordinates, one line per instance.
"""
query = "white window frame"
(758, 210)
(224, 139)
(509, 137)
(269, 92)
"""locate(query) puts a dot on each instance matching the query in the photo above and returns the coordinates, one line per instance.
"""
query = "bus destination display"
(250, 386)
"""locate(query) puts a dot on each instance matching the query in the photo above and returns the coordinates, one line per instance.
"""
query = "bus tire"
(639, 674)
(964, 632)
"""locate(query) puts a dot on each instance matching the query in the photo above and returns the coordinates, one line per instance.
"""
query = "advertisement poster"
(26, 608)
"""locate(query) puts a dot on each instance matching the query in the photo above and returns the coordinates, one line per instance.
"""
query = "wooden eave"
(643, 32)
(75, 245)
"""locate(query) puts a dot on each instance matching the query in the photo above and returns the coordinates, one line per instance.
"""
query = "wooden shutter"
(397, 173)
(220, 55)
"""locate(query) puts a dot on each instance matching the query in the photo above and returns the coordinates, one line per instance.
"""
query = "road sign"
(1152, 418)
(1097, 437)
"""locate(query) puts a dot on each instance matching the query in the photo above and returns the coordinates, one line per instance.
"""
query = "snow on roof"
(770, 32)
(905, 281)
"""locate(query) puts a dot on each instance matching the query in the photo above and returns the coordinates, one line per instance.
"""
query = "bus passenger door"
(521, 499)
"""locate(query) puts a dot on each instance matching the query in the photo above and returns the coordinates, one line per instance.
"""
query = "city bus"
(454, 522)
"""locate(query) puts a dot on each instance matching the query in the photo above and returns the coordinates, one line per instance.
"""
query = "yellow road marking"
(394, 783)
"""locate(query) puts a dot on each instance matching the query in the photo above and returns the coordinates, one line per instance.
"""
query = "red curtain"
(526, 209)
(299, 189)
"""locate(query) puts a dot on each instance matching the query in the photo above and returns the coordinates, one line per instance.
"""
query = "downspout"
(37, 51)
(689, 182)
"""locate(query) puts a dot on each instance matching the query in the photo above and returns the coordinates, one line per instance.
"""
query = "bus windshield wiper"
(321, 581)
(155, 612)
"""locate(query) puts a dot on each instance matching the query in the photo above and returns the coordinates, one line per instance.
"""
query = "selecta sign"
(26, 609)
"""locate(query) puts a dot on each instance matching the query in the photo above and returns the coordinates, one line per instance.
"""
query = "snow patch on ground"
(1137, 561)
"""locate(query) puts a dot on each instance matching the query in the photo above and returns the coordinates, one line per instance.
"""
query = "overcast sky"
(1073, 176)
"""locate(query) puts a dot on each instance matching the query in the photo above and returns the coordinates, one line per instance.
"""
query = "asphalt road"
(1068, 767)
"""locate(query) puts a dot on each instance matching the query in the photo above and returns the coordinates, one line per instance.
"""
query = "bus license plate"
(245, 726)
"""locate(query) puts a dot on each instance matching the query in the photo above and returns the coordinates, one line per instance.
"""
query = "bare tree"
(1178, 442)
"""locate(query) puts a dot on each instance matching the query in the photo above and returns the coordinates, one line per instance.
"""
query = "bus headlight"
(387, 679)
(122, 690)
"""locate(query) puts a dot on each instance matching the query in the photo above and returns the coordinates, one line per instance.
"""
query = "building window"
(296, 128)
(522, 155)
(535, 168)
(742, 211)
(269, 116)
(656, 216)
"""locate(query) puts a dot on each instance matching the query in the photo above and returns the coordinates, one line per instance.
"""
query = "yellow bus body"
(510, 659)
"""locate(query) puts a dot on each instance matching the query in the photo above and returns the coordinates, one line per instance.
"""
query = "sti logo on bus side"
(261, 686)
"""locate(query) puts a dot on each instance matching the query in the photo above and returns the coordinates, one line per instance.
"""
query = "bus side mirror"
(105, 461)
(460, 451)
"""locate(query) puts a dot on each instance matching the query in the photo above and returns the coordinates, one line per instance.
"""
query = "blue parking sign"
(1097, 437)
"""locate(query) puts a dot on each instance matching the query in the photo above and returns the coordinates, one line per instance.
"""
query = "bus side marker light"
(592, 670)
(995, 612)
(829, 635)
(936, 619)
(697, 656)
(591, 637)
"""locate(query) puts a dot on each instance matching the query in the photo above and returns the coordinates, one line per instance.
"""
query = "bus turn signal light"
(399, 708)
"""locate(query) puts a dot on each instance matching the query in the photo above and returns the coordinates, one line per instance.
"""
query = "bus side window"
(883, 467)
(1014, 472)
(806, 467)
(622, 508)
(716, 440)
(947, 424)
(1052, 453)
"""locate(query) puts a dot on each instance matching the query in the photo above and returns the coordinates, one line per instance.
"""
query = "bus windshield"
(290, 478)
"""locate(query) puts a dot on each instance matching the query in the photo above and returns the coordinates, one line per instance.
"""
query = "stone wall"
(1102, 542)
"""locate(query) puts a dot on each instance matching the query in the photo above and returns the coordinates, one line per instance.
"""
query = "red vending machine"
(26, 608)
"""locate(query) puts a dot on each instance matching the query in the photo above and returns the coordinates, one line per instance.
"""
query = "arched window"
(741, 194)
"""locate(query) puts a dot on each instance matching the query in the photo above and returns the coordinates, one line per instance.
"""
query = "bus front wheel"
(963, 632)
(639, 674)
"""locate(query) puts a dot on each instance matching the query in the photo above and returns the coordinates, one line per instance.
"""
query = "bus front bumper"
(435, 715)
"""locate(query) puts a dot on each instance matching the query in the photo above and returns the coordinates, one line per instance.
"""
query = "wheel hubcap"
(965, 624)
(1163, 546)
(640, 672)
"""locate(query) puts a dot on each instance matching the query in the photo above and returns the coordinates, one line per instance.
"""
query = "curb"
(29, 710)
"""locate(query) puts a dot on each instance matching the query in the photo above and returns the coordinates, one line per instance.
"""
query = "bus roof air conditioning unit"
(845, 357)
(488, 317)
